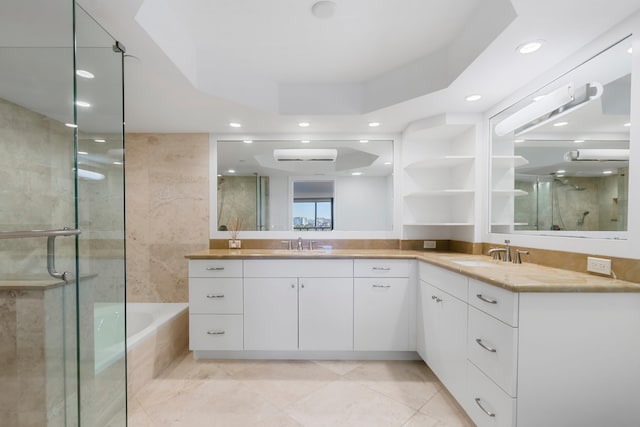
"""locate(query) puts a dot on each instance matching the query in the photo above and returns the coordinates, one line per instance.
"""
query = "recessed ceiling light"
(578, 141)
(364, 141)
(559, 175)
(530, 47)
(248, 141)
(83, 104)
(71, 125)
(82, 152)
(630, 51)
(538, 98)
(518, 140)
(374, 124)
(561, 171)
(607, 172)
(472, 98)
(356, 173)
(305, 141)
(231, 171)
(627, 124)
(85, 74)
(304, 124)
(100, 140)
(117, 163)
(235, 125)
(560, 124)
(388, 163)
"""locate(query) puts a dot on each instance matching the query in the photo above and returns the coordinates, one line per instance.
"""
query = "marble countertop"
(525, 277)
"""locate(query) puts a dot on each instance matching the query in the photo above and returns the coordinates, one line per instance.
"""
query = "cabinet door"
(270, 314)
(326, 313)
(430, 319)
(381, 314)
(453, 342)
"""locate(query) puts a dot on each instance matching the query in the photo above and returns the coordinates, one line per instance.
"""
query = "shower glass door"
(62, 330)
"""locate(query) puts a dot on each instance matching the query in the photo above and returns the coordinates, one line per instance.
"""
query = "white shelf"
(512, 192)
(429, 193)
(440, 224)
(508, 161)
(441, 162)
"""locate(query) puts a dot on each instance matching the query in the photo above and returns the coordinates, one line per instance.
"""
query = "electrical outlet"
(429, 244)
(599, 265)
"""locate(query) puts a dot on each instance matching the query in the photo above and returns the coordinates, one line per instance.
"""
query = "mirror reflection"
(305, 185)
(560, 157)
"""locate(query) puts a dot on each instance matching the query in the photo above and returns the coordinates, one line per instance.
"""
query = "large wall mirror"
(560, 157)
(305, 185)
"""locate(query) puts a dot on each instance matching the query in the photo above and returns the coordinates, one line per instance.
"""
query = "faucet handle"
(516, 258)
(288, 242)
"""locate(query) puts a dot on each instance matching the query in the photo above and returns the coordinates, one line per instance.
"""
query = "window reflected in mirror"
(560, 157)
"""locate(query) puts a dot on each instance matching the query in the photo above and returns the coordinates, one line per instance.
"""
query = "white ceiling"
(262, 63)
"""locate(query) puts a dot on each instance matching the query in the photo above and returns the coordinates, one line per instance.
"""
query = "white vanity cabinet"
(382, 313)
(298, 305)
(215, 305)
(443, 331)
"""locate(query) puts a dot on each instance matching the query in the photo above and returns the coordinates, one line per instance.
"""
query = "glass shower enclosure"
(62, 272)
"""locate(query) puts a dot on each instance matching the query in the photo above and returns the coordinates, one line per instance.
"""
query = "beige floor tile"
(344, 403)
(213, 403)
(422, 420)
(444, 407)
(137, 417)
(409, 382)
(340, 367)
(284, 382)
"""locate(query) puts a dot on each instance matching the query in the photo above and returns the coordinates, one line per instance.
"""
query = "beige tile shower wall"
(36, 171)
(167, 212)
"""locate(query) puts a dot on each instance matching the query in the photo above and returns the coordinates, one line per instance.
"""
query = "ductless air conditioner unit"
(598, 155)
(305, 155)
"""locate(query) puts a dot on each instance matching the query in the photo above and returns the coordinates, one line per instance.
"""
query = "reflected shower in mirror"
(560, 157)
(271, 185)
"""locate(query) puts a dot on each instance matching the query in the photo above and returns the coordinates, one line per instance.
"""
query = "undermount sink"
(474, 263)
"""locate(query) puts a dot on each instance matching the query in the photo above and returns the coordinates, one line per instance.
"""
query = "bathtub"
(144, 322)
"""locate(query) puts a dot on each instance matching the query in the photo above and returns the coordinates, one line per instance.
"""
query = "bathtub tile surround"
(167, 196)
(158, 335)
(295, 393)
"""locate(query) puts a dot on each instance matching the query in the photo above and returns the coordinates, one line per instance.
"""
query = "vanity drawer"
(215, 268)
(448, 281)
(215, 296)
(298, 268)
(215, 332)
(381, 268)
(493, 347)
(486, 403)
(499, 303)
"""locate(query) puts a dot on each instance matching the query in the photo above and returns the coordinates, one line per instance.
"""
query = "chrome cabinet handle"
(381, 268)
(215, 268)
(489, 413)
(302, 285)
(218, 332)
(487, 300)
(381, 286)
(215, 295)
(433, 297)
(481, 344)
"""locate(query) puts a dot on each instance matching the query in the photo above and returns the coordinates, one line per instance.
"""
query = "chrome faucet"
(299, 247)
(507, 251)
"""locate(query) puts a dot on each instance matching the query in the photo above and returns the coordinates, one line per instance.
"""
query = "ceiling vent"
(305, 155)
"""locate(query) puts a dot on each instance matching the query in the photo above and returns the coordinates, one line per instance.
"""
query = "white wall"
(279, 203)
(362, 203)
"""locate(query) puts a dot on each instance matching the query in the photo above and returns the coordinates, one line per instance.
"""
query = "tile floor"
(194, 393)
(295, 393)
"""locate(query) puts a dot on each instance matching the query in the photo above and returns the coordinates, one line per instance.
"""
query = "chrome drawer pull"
(215, 332)
(215, 268)
(215, 295)
(485, 299)
(381, 268)
(381, 286)
(489, 413)
(436, 299)
(481, 344)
